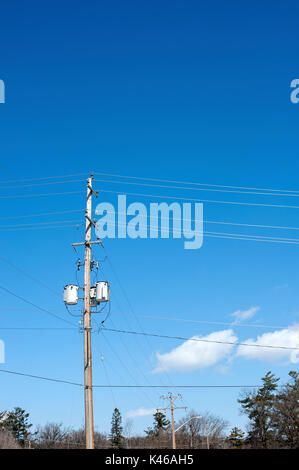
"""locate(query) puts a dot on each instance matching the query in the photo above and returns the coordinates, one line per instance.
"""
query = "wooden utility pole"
(89, 432)
(207, 433)
(87, 328)
(171, 398)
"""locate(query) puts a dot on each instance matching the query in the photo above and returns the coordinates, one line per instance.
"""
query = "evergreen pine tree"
(236, 438)
(116, 436)
(258, 407)
(160, 424)
(17, 423)
(285, 415)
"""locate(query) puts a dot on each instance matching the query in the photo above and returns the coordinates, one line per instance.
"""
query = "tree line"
(273, 422)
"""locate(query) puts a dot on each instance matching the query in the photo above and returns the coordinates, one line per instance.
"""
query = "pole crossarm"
(88, 243)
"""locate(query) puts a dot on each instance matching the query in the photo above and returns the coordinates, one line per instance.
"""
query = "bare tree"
(208, 431)
(190, 433)
(50, 436)
(213, 427)
(128, 426)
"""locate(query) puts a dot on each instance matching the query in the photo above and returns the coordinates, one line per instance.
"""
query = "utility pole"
(171, 398)
(207, 433)
(89, 432)
(87, 328)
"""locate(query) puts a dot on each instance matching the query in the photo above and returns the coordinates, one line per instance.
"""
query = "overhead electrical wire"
(16, 196)
(41, 223)
(34, 328)
(124, 367)
(35, 305)
(252, 236)
(22, 271)
(198, 189)
(41, 215)
(138, 369)
(201, 340)
(182, 219)
(160, 180)
(185, 320)
(78, 384)
(249, 225)
(224, 235)
(38, 228)
(41, 377)
(107, 378)
(42, 178)
(242, 237)
(258, 238)
(281, 206)
(205, 322)
(196, 183)
(43, 184)
(130, 306)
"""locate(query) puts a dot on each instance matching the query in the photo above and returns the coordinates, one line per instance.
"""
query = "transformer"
(70, 294)
(102, 291)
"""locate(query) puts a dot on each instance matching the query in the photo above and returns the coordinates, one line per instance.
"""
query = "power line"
(249, 225)
(155, 317)
(41, 215)
(196, 184)
(201, 200)
(107, 378)
(130, 305)
(34, 328)
(141, 215)
(41, 223)
(200, 339)
(232, 324)
(124, 366)
(198, 189)
(41, 377)
(38, 228)
(251, 239)
(40, 179)
(149, 226)
(123, 386)
(150, 179)
(43, 184)
(182, 219)
(39, 195)
(257, 238)
(36, 306)
(4, 260)
(252, 236)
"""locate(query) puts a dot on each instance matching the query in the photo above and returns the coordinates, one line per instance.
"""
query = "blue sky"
(170, 90)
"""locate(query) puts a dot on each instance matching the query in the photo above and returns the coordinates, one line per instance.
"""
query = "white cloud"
(288, 337)
(241, 315)
(141, 412)
(193, 355)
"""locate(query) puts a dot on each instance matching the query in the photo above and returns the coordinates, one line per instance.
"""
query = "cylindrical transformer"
(70, 294)
(102, 291)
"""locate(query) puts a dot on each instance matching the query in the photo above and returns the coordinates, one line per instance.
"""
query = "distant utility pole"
(89, 428)
(171, 398)
(207, 433)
